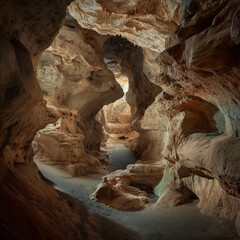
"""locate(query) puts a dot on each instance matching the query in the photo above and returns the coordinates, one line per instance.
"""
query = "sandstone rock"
(188, 114)
(125, 189)
(198, 108)
(58, 147)
(171, 190)
(117, 115)
(121, 196)
(145, 24)
(214, 201)
(131, 61)
(73, 71)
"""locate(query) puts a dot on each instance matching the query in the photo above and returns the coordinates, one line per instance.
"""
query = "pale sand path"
(181, 223)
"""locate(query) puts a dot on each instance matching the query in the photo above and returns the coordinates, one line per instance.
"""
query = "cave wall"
(23, 206)
(190, 108)
(200, 66)
(73, 72)
(30, 206)
(193, 119)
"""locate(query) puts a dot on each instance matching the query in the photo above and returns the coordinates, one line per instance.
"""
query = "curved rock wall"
(72, 70)
(192, 120)
(199, 75)
(26, 201)
(144, 23)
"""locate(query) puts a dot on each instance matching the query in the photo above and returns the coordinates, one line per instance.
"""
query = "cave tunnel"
(120, 119)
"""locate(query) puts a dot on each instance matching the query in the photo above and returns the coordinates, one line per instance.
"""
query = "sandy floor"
(184, 222)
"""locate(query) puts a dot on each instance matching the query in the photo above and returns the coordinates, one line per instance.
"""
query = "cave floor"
(120, 156)
(162, 223)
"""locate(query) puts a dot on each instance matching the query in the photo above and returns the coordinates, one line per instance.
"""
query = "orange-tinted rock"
(145, 24)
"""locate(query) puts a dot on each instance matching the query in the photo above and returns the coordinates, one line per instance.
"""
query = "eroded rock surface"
(199, 110)
(126, 189)
(72, 70)
(193, 122)
(185, 105)
(145, 24)
(62, 143)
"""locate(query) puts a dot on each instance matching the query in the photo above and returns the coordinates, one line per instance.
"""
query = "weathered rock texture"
(73, 71)
(117, 115)
(144, 23)
(27, 28)
(31, 209)
(199, 109)
(192, 118)
(62, 143)
(129, 60)
(187, 115)
(126, 189)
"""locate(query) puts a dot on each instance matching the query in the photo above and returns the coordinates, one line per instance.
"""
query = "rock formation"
(193, 122)
(199, 68)
(126, 189)
(182, 62)
(72, 70)
(145, 24)
(117, 115)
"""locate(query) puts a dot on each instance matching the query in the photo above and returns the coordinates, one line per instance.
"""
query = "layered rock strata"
(145, 24)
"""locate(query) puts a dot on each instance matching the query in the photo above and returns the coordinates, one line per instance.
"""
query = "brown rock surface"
(117, 115)
(72, 70)
(145, 24)
(31, 209)
(62, 144)
(188, 114)
(198, 110)
(125, 189)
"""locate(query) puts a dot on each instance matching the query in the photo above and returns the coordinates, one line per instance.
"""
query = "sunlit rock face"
(117, 115)
(199, 109)
(72, 70)
(144, 23)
